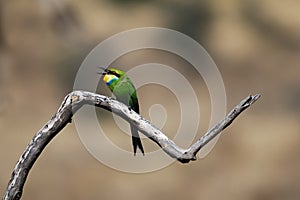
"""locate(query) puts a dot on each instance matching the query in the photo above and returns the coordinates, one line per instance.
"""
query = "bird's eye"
(115, 73)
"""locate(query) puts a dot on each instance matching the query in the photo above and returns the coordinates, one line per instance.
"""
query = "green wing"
(125, 92)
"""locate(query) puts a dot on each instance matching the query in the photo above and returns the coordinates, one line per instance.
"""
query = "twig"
(75, 100)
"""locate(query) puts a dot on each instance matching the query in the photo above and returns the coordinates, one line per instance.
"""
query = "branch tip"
(250, 100)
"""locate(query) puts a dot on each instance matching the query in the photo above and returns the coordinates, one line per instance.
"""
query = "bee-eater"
(122, 87)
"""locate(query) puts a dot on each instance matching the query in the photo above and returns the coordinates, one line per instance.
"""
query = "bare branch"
(75, 100)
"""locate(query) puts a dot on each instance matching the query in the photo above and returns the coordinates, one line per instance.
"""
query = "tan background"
(256, 45)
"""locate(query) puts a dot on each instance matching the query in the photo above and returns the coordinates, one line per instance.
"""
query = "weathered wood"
(75, 100)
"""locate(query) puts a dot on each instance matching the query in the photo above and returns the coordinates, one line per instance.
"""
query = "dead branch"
(75, 100)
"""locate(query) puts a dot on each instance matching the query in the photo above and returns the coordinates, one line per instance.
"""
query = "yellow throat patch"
(109, 78)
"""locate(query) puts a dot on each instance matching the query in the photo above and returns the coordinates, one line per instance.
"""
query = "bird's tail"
(136, 141)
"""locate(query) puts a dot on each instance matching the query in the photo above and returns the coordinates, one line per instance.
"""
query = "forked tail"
(136, 141)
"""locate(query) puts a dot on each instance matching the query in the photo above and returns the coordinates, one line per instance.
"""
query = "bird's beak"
(104, 72)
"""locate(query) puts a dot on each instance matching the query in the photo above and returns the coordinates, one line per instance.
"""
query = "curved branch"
(75, 100)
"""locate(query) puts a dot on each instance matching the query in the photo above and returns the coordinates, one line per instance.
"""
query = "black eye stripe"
(114, 73)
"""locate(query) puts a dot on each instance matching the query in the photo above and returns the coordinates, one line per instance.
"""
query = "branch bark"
(75, 100)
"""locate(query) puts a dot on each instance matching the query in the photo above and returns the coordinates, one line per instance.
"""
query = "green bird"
(122, 87)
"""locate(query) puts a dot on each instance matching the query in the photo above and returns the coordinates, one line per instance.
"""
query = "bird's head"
(111, 75)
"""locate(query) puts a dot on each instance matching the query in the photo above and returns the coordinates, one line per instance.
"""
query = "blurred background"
(256, 46)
